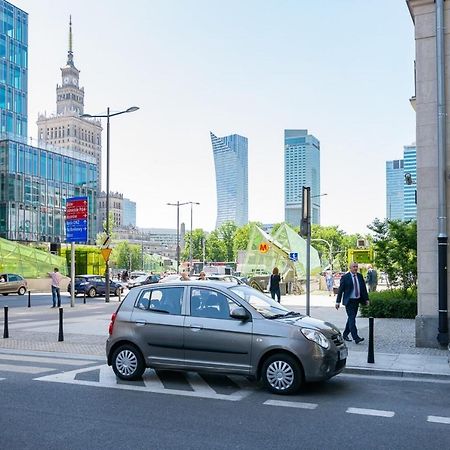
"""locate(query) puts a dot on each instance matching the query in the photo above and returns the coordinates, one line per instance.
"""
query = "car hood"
(309, 322)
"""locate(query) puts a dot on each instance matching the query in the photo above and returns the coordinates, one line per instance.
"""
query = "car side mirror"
(239, 313)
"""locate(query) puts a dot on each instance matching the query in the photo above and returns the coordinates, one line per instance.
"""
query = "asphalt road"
(352, 412)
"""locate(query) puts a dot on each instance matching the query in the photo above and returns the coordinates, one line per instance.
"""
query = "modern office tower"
(395, 180)
(301, 168)
(231, 163)
(13, 72)
(129, 213)
(66, 129)
(35, 184)
(410, 190)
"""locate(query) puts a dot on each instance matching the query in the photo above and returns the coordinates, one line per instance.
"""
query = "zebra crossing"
(35, 363)
(188, 384)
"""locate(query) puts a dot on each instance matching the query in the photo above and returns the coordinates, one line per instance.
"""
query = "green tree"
(198, 236)
(215, 247)
(127, 256)
(395, 245)
(226, 233)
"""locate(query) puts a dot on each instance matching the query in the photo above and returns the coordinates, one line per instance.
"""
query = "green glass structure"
(264, 252)
(28, 261)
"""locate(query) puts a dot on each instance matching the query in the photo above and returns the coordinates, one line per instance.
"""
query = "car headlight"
(316, 336)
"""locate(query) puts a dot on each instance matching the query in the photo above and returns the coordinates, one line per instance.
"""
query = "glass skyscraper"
(409, 190)
(231, 163)
(301, 168)
(401, 201)
(34, 186)
(13, 72)
(395, 180)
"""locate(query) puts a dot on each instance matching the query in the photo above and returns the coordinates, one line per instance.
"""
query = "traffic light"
(305, 222)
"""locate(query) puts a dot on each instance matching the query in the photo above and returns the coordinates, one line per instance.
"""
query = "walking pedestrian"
(352, 291)
(56, 281)
(274, 282)
(329, 280)
(372, 279)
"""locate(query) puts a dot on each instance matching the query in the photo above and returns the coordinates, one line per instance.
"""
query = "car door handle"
(195, 327)
(140, 322)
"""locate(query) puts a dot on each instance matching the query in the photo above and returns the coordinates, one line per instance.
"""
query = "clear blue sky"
(341, 69)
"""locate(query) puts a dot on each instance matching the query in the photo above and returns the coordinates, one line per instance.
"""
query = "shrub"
(392, 303)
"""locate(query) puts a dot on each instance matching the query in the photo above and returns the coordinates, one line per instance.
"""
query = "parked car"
(11, 283)
(144, 279)
(218, 327)
(228, 278)
(94, 285)
(170, 277)
(136, 274)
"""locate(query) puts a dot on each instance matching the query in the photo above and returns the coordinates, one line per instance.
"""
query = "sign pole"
(72, 274)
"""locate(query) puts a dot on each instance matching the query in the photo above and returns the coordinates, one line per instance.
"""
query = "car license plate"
(343, 353)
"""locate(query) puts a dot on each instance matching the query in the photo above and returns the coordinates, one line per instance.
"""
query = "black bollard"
(61, 334)
(29, 299)
(5, 323)
(370, 353)
(84, 297)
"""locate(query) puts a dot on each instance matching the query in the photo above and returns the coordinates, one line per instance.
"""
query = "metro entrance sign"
(76, 219)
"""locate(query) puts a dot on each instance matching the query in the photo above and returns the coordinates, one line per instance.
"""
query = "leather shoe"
(357, 341)
(346, 338)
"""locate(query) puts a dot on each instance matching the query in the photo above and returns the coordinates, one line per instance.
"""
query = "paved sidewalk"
(86, 327)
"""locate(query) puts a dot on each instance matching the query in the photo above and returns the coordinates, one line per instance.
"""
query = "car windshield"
(140, 279)
(261, 302)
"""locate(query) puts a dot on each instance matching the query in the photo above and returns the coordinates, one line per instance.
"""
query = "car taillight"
(111, 324)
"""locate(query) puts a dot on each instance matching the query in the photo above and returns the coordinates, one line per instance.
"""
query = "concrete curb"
(396, 373)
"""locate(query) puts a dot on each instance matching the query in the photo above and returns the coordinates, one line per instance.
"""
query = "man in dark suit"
(352, 291)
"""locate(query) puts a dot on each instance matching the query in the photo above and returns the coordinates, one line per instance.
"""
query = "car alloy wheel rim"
(126, 362)
(280, 375)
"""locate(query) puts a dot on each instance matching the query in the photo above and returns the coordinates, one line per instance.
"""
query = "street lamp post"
(190, 240)
(178, 204)
(108, 115)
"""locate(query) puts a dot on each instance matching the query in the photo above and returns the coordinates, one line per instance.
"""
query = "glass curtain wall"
(35, 186)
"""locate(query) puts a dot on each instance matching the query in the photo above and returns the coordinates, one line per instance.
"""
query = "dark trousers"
(352, 310)
(276, 292)
(56, 295)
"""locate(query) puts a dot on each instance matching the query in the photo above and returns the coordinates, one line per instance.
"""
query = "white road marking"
(199, 384)
(23, 369)
(438, 419)
(287, 404)
(151, 381)
(69, 362)
(370, 412)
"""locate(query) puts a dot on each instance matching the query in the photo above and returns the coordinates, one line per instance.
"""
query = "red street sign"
(76, 209)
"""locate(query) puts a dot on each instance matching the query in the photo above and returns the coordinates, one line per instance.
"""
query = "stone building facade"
(430, 175)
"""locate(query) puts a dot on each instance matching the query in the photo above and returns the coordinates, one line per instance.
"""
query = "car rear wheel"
(92, 292)
(128, 363)
(5, 293)
(282, 374)
(21, 290)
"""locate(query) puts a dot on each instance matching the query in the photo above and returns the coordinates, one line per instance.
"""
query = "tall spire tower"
(66, 129)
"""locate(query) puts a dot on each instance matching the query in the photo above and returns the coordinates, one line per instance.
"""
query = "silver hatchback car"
(208, 326)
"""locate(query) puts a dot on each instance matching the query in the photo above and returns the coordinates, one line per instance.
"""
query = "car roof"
(196, 283)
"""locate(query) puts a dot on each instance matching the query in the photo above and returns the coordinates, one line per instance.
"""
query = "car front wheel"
(128, 363)
(92, 292)
(21, 290)
(282, 374)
